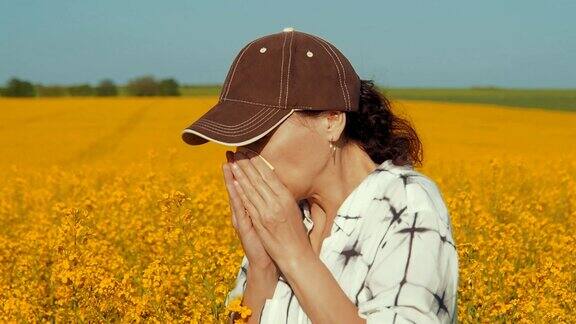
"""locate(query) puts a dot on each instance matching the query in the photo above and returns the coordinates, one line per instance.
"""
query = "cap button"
(288, 29)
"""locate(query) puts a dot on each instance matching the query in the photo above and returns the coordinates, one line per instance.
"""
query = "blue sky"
(521, 44)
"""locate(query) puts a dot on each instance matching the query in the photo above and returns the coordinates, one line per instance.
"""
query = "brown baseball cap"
(270, 78)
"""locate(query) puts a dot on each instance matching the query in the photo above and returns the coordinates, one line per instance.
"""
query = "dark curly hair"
(380, 133)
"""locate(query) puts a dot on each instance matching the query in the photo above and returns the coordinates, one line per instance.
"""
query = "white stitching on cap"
(237, 127)
(248, 141)
(254, 103)
(236, 64)
(288, 78)
(239, 124)
(227, 85)
(236, 131)
(225, 131)
(281, 71)
(343, 69)
(211, 122)
(275, 106)
(337, 70)
(252, 120)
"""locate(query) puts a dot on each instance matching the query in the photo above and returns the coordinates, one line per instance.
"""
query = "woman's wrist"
(263, 278)
(296, 264)
(261, 284)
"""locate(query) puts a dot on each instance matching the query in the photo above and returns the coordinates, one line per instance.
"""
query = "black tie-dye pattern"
(391, 250)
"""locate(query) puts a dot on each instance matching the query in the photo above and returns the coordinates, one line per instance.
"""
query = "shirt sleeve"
(413, 278)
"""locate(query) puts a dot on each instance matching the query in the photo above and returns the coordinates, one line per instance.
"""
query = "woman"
(336, 225)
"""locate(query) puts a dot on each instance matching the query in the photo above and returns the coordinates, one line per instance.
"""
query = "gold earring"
(333, 147)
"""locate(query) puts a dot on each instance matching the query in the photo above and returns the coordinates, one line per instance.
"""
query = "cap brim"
(234, 123)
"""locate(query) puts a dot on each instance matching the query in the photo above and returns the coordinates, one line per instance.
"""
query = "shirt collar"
(353, 205)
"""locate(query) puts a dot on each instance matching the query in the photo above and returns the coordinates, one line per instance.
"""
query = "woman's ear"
(335, 121)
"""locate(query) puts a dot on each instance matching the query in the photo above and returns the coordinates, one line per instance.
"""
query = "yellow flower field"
(106, 215)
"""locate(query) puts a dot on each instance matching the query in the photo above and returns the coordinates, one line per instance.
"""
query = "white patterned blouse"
(391, 250)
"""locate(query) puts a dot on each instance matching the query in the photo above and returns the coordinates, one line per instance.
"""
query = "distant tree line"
(145, 85)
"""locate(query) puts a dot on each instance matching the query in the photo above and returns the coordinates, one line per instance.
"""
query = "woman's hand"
(273, 210)
(257, 256)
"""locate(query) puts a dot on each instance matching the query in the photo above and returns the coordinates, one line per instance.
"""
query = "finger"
(229, 189)
(237, 206)
(255, 169)
(234, 222)
(268, 175)
(253, 213)
(260, 157)
(230, 156)
(253, 175)
(250, 187)
(255, 217)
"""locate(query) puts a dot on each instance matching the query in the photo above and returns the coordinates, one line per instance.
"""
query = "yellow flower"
(235, 306)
